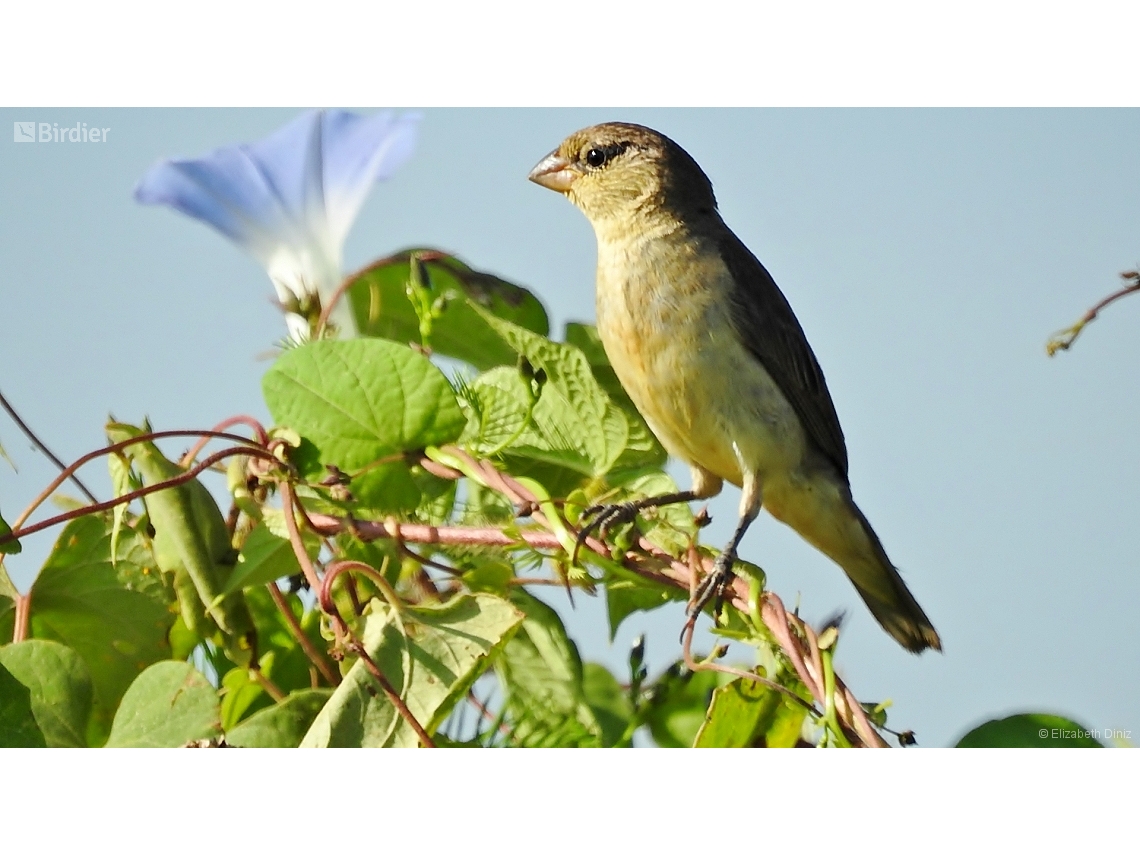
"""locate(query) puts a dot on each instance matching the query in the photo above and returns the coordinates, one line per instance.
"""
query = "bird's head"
(617, 171)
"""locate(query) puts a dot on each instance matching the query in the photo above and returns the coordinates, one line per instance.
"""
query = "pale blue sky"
(928, 254)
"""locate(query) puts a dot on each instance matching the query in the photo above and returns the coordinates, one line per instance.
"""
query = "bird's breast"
(663, 318)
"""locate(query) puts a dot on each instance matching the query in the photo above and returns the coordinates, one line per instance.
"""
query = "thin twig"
(321, 662)
(1065, 338)
(271, 688)
(18, 531)
(693, 665)
(23, 611)
(289, 502)
(249, 421)
(40, 445)
(393, 697)
(338, 294)
(324, 596)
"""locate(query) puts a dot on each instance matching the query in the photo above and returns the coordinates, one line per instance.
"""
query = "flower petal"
(259, 196)
(359, 151)
(291, 198)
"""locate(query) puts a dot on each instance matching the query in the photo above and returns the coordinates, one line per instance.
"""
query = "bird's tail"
(825, 516)
(886, 595)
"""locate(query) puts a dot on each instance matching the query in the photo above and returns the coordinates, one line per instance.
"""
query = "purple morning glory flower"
(291, 198)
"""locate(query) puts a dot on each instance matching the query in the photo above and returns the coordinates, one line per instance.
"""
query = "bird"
(711, 354)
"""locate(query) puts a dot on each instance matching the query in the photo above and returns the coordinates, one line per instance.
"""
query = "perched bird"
(712, 356)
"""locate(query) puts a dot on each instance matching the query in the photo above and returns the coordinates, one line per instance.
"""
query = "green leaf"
(608, 701)
(115, 616)
(283, 660)
(679, 699)
(169, 705)
(430, 662)
(574, 424)
(8, 547)
(382, 309)
(60, 687)
(739, 712)
(266, 557)
(542, 675)
(241, 695)
(18, 728)
(642, 447)
(282, 725)
(625, 596)
(361, 400)
(397, 488)
(501, 403)
(7, 591)
(1030, 730)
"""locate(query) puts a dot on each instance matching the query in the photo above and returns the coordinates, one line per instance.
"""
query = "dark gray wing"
(770, 331)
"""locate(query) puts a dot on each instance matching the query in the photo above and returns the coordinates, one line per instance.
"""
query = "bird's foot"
(604, 516)
(714, 585)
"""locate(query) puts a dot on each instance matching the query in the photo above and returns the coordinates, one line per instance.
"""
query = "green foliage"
(114, 615)
(18, 727)
(744, 713)
(283, 725)
(168, 705)
(423, 508)
(1030, 730)
(265, 557)
(360, 405)
(387, 303)
(360, 401)
(59, 686)
(10, 547)
(429, 656)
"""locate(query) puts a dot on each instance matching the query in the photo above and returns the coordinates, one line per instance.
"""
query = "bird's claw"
(713, 586)
(604, 516)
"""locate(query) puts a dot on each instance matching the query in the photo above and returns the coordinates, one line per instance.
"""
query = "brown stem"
(19, 532)
(319, 661)
(391, 693)
(30, 434)
(249, 421)
(1064, 339)
(324, 595)
(110, 449)
(23, 611)
(271, 688)
(290, 503)
(338, 294)
(693, 665)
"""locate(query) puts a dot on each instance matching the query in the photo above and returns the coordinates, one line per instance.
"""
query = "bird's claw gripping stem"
(604, 516)
(713, 586)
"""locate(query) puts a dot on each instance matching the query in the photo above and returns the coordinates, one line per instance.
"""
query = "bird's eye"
(596, 157)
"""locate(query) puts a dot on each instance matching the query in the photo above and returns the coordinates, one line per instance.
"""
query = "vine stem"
(249, 421)
(324, 597)
(673, 572)
(30, 434)
(19, 531)
(1065, 339)
(290, 503)
(320, 662)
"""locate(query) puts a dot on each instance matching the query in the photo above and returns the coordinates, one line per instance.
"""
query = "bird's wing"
(770, 331)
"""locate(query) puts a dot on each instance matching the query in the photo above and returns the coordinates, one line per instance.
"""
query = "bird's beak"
(554, 172)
